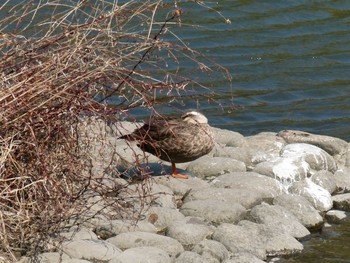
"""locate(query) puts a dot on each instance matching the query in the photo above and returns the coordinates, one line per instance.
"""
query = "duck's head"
(194, 117)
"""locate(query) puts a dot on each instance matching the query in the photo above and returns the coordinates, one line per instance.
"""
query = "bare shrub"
(61, 63)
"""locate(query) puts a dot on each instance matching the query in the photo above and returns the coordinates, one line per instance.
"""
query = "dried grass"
(62, 60)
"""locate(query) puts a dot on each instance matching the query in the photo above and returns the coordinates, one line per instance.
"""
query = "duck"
(175, 140)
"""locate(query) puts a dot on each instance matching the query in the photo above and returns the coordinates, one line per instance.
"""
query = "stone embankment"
(250, 199)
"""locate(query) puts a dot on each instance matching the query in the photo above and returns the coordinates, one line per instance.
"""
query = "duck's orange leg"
(176, 174)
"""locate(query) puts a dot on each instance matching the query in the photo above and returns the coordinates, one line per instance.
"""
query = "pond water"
(289, 60)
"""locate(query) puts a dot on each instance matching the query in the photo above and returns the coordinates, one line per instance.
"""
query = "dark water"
(290, 63)
(330, 248)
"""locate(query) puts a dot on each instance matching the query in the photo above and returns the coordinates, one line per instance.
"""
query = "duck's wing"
(157, 130)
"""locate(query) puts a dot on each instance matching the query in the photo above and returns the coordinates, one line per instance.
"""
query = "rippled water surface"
(290, 63)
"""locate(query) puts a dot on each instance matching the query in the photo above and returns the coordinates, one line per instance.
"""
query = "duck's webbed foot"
(176, 174)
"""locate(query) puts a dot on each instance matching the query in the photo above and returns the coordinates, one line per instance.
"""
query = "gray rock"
(214, 211)
(206, 167)
(154, 194)
(301, 208)
(278, 217)
(282, 245)
(325, 179)
(342, 180)
(330, 144)
(347, 156)
(212, 251)
(319, 197)
(92, 250)
(190, 257)
(145, 239)
(115, 227)
(265, 142)
(285, 170)
(266, 187)
(273, 241)
(141, 255)
(247, 155)
(163, 217)
(238, 239)
(227, 137)
(181, 187)
(53, 257)
(342, 202)
(317, 158)
(337, 216)
(79, 233)
(190, 231)
(243, 258)
(246, 197)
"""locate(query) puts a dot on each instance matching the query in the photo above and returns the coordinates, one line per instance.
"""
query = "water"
(330, 248)
(290, 63)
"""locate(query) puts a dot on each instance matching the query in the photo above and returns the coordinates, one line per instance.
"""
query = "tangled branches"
(63, 61)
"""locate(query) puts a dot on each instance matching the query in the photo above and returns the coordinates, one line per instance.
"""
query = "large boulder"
(301, 208)
(257, 183)
(214, 211)
(144, 239)
(317, 158)
(275, 216)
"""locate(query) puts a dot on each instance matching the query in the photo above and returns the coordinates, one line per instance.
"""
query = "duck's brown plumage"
(176, 140)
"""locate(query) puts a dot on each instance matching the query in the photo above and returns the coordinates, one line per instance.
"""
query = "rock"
(190, 231)
(342, 202)
(337, 216)
(325, 179)
(249, 156)
(301, 208)
(145, 239)
(93, 250)
(52, 257)
(275, 216)
(319, 197)
(115, 227)
(227, 137)
(342, 180)
(141, 255)
(163, 217)
(189, 257)
(76, 233)
(214, 211)
(154, 194)
(317, 158)
(243, 257)
(267, 187)
(285, 170)
(282, 245)
(246, 197)
(181, 187)
(273, 240)
(206, 167)
(211, 250)
(330, 144)
(237, 239)
(265, 142)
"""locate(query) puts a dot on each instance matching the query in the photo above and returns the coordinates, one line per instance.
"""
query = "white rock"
(142, 255)
(318, 196)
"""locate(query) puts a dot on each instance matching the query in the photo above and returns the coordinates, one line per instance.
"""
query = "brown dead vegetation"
(61, 62)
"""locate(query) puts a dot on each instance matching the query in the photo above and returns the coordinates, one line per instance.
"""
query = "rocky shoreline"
(251, 199)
